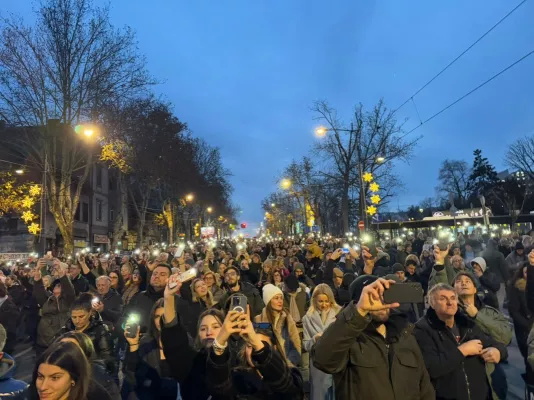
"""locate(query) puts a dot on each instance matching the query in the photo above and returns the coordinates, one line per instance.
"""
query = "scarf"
(293, 308)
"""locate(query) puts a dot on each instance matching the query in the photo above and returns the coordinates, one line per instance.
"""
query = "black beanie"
(292, 283)
(397, 267)
(519, 246)
(356, 287)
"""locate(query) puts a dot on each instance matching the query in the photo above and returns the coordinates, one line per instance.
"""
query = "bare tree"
(454, 178)
(372, 143)
(520, 156)
(64, 68)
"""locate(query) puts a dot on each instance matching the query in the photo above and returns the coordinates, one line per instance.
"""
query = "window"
(99, 210)
(111, 214)
(85, 212)
(98, 176)
(77, 214)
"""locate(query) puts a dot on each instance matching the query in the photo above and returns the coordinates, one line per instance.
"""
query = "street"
(25, 358)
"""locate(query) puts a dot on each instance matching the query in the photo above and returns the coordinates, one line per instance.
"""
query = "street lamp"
(421, 210)
(285, 183)
(19, 171)
(88, 132)
(273, 205)
(190, 197)
(209, 209)
(321, 131)
(380, 159)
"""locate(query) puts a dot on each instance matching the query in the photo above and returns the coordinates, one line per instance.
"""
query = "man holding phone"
(356, 348)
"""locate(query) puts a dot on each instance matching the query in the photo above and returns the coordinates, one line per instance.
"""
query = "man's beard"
(380, 317)
(232, 285)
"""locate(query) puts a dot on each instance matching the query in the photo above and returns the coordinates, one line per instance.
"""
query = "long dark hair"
(217, 314)
(84, 341)
(69, 357)
(152, 329)
(120, 281)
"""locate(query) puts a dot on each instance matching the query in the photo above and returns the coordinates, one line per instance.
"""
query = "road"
(25, 358)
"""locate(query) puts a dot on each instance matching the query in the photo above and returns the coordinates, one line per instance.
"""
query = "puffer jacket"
(358, 357)
(54, 310)
(9, 387)
(453, 375)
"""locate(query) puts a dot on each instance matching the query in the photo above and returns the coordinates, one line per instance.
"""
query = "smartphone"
(411, 292)
(372, 247)
(239, 303)
(187, 275)
(95, 300)
(345, 250)
(133, 326)
(179, 251)
(443, 244)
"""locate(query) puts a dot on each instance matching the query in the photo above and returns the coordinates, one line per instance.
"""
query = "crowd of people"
(264, 319)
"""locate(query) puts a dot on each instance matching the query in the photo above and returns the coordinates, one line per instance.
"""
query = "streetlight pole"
(42, 233)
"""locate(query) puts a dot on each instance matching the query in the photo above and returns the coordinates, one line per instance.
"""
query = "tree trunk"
(345, 207)
(168, 212)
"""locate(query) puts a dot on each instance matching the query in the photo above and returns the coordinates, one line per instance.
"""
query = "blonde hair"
(216, 277)
(209, 296)
(323, 288)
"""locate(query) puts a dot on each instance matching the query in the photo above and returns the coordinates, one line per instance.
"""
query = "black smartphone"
(239, 303)
(371, 245)
(443, 243)
(411, 292)
(131, 331)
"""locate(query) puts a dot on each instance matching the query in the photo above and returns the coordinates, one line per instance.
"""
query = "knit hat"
(392, 277)
(292, 283)
(269, 291)
(465, 273)
(356, 287)
(338, 273)
(480, 261)
(397, 267)
(298, 266)
(411, 262)
(519, 246)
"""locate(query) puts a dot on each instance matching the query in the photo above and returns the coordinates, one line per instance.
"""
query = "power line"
(472, 91)
(461, 54)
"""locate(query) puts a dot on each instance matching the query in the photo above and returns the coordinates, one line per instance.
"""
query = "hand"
(439, 255)
(231, 325)
(491, 355)
(99, 307)
(478, 272)
(249, 334)
(133, 342)
(316, 337)
(41, 263)
(354, 253)
(471, 310)
(171, 292)
(61, 268)
(471, 348)
(368, 260)
(372, 295)
(531, 257)
(336, 254)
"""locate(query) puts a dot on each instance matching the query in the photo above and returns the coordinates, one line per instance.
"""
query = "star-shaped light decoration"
(367, 177)
(27, 216)
(8, 186)
(34, 228)
(371, 210)
(374, 187)
(35, 190)
(28, 202)
(375, 199)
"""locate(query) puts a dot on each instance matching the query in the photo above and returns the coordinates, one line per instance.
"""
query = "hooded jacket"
(365, 365)
(488, 282)
(453, 375)
(495, 261)
(10, 387)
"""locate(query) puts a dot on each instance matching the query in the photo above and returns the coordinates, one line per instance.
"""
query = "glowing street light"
(19, 171)
(190, 197)
(209, 209)
(273, 205)
(321, 131)
(380, 159)
(88, 132)
(285, 183)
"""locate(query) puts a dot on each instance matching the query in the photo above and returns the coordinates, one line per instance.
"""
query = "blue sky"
(243, 75)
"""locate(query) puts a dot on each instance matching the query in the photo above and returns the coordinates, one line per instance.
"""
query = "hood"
(7, 367)
(480, 261)
(380, 254)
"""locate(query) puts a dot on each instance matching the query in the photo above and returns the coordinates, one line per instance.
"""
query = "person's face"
(298, 273)
(255, 259)
(401, 275)
(277, 277)
(46, 282)
(114, 280)
(221, 269)
(231, 278)
(159, 278)
(74, 271)
(125, 272)
(201, 289)
(209, 279)
(136, 277)
(208, 330)
(244, 264)
(338, 280)
(445, 303)
(309, 256)
(322, 303)
(425, 253)
(520, 252)
(477, 268)
(277, 302)
(408, 249)
(124, 260)
(57, 290)
(157, 318)
(80, 318)
(456, 251)
(468, 248)
(410, 269)
(464, 286)
(53, 382)
(328, 256)
(9, 281)
(458, 263)
(283, 253)
(103, 286)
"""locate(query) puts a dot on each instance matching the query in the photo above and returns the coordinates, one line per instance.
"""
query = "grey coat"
(313, 324)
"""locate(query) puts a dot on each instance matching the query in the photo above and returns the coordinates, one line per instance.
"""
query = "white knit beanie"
(269, 291)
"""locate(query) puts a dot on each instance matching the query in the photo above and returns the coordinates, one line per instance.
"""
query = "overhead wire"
(461, 55)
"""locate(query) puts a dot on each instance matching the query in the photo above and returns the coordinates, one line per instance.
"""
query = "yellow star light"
(8, 186)
(374, 187)
(367, 177)
(371, 210)
(27, 216)
(375, 199)
(34, 228)
(35, 190)
(28, 202)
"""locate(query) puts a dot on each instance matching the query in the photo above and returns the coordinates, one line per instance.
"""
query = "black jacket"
(81, 284)
(453, 375)
(278, 380)
(17, 294)
(253, 297)
(141, 304)
(9, 315)
(99, 334)
(365, 365)
(112, 307)
(496, 262)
